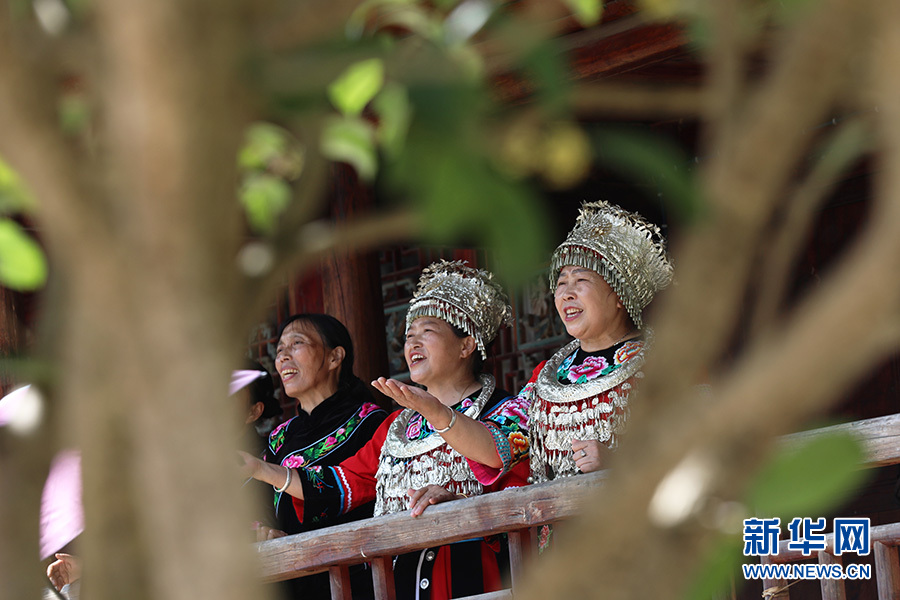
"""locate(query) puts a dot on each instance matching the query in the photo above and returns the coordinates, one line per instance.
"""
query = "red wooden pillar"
(305, 295)
(351, 281)
(10, 336)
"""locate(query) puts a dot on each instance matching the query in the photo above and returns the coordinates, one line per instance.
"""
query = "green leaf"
(74, 113)
(357, 86)
(466, 20)
(546, 65)
(268, 147)
(565, 155)
(351, 140)
(264, 197)
(588, 12)
(14, 196)
(263, 142)
(22, 262)
(394, 113)
(808, 479)
(79, 8)
(651, 159)
(464, 201)
(660, 9)
(716, 570)
(846, 145)
(788, 12)
(699, 29)
(356, 23)
(413, 18)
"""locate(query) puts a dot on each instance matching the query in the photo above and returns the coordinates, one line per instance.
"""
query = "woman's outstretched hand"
(409, 396)
(422, 498)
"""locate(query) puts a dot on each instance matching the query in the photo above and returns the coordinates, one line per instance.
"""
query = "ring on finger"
(583, 453)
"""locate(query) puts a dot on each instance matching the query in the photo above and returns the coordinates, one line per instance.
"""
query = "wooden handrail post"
(339, 577)
(774, 589)
(887, 571)
(383, 577)
(519, 552)
(832, 589)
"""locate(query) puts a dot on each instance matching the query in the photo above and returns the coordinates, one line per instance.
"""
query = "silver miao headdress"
(464, 297)
(626, 250)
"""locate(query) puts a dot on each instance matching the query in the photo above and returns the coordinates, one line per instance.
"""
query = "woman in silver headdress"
(410, 461)
(607, 271)
(603, 275)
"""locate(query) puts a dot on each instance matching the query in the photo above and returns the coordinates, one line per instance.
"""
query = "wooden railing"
(517, 511)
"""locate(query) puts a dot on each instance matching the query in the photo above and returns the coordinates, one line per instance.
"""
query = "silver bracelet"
(287, 481)
(452, 422)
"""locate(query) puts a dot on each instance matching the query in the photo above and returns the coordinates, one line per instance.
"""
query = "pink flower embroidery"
(279, 428)
(467, 403)
(330, 441)
(590, 368)
(367, 409)
(294, 461)
(414, 428)
(341, 431)
(515, 408)
(544, 538)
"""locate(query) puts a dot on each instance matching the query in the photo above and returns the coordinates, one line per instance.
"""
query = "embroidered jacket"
(574, 395)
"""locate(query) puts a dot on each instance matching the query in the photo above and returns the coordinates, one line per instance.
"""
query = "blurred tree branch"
(798, 220)
(637, 101)
(310, 242)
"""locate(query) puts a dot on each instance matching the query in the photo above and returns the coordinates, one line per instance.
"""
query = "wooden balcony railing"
(517, 511)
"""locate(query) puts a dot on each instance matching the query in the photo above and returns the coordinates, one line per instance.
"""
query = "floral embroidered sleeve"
(332, 491)
(508, 425)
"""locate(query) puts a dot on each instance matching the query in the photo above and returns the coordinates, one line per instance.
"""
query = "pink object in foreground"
(62, 516)
(62, 513)
(243, 378)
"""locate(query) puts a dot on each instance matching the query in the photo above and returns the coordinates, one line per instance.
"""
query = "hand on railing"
(422, 498)
(64, 570)
(264, 532)
(589, 455)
